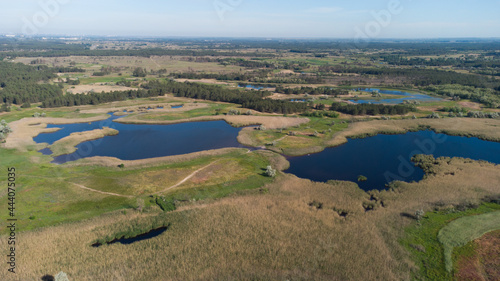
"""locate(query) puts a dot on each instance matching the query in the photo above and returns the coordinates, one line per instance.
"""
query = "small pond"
(384, 158)
(250, 86)
(405, 97)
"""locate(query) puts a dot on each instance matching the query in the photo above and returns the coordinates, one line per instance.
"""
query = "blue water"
(146, 141)
(384, 158)
(127, 241)
(249, 87)
(406, 96)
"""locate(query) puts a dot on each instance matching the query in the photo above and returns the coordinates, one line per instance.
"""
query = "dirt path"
(187, 178)
(282, 138)
(98, 191)
(159, 66)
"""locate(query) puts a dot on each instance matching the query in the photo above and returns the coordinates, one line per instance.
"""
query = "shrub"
(434, 115)
(419, 214)
(234, 112)
(362, 178)
(36, 115)
(61, 276)
(270, 172)
(167, 205)
(121, 166)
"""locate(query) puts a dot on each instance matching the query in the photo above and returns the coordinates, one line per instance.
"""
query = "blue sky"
(254, 18)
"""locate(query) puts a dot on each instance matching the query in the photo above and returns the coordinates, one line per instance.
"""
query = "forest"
(371, 109)
(19, 83)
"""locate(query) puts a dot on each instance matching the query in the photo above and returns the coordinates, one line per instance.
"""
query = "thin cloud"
(324, 10)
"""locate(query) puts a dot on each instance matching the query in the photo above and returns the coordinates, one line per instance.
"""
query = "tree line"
(251, 100)
(371, 109)
(330, 91)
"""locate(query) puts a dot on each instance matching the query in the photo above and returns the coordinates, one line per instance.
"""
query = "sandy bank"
(24, 130)
(269, 122)
(68, 144)
(144, 108)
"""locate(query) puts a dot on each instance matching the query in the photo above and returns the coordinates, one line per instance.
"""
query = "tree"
(270, 172)
(139, 72)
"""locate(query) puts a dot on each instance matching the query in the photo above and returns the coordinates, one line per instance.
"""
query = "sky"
(254, 18)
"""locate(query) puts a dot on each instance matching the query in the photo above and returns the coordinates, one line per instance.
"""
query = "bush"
(434, 115)
(362, 178)
(121, 166)
(233, 112)
(270, 172)
(419, 214)
(167, 205)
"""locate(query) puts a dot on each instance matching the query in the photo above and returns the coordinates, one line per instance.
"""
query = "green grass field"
(46, 194)
(427, 250)
(463, 230)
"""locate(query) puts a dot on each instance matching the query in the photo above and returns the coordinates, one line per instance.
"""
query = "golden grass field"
(275, 235)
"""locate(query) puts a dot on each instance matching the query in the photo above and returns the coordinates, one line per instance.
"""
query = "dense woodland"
(251, 100)
(330, 91)
(371, 109)
(19, 83)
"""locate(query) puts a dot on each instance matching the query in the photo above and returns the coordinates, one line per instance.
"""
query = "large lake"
(384, 158)
(145, 141)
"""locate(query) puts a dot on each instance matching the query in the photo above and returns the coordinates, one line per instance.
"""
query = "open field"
(84, 89)
(264, 243)
(170, 63)
(50, 192)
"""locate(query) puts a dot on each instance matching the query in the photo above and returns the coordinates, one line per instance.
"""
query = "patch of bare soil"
(85, 89)
(485, 263)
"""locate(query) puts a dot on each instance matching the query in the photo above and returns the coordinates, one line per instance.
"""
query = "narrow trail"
(155, 62)
(187, 178)
(282, 138)
(98, 191)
